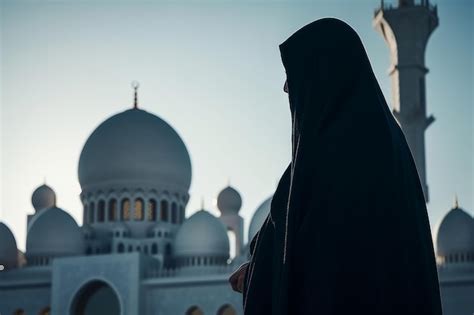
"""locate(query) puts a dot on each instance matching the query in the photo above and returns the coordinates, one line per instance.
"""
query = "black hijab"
(348, 230)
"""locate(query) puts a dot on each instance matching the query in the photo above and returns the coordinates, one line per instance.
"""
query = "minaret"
(406, 28)
(229, 203)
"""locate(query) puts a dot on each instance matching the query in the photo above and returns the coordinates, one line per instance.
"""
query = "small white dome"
(8, 249)
(229, 201)
(259, 217)
(52, 233)
(135, 146)
(202, 235)
(455, 233)
(43, 197)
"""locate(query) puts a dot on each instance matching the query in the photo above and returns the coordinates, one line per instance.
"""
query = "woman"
(348, 231)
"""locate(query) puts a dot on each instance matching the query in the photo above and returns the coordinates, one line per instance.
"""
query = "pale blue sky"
(211, 69)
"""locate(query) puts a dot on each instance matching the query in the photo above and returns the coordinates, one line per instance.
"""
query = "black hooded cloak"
(348, 230)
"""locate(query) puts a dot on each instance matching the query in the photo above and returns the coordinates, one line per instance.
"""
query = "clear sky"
(211, 69)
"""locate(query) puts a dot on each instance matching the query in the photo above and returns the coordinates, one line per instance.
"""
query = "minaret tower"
(229, 203)
(406, 28)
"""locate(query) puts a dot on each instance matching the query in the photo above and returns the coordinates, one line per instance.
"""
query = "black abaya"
(348, 231)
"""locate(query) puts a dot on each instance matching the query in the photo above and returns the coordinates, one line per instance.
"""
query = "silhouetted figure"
(348, 230)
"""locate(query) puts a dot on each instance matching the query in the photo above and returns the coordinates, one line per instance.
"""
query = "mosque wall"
(180, 296)
(457, 296)
(25, 295)
(122, 273)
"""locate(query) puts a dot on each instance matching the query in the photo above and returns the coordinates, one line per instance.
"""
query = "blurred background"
(211, 105)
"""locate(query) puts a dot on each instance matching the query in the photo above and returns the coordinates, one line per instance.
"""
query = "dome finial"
(135, 86)
(456, 202)
(202, 202)
(228, 181)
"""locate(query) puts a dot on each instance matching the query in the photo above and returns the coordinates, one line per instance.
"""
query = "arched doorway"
(96, 298)
(45, 311)
(19, 312)
(194, 310)
(226, 310)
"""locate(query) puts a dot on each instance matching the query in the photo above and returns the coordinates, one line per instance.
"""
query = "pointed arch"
(226, 309)
(181, 213)
(91, 212)
(120, 248)
(168, 249)
(45, 311)
(125, 209)
(174, 213)
(96, 297)
(154, 249)
(101, 211)
(164, 210)
(138, 209)
(194, 310)
(152, 210)
(85, 217)
(112, 211)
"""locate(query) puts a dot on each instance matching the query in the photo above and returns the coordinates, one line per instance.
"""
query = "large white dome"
(52, 233)
(455, 233)
(8, 249)
(259, 217)
(202, 235)
(134, 146)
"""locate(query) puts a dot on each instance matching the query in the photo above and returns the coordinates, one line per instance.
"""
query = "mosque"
(137, 252)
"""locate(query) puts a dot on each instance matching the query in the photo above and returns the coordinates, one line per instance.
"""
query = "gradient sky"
(212, 70)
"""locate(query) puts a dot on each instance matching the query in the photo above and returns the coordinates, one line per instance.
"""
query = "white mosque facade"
(138, 253)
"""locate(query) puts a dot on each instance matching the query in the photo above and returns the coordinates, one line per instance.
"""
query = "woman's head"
(323, 62)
